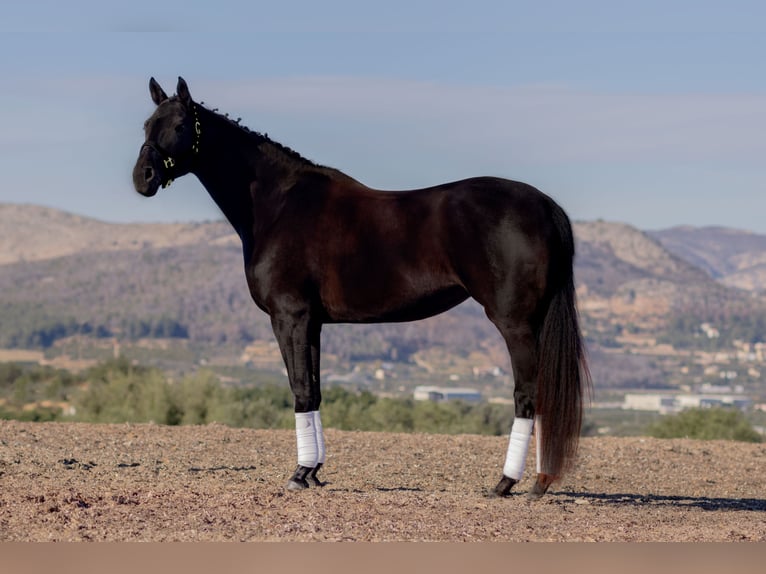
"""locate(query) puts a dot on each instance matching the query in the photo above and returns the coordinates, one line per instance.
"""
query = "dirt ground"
(79, 482)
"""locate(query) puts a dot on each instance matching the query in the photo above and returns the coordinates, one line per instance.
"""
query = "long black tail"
(563, 376)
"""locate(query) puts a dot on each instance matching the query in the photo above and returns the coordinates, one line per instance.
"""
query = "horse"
(320, 247)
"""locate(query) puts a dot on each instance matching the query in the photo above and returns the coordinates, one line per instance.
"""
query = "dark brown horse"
(320, 247)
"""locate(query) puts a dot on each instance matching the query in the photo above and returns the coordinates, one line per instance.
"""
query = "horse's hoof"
(298, 480)
(535, 494)
(312, 478)
(503, 487)
(541, 486)
(295, 485)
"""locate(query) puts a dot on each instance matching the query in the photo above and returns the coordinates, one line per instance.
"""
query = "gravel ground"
(79, 482)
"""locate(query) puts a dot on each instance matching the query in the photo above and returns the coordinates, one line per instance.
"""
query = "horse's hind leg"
(522, 346)
(543, 481)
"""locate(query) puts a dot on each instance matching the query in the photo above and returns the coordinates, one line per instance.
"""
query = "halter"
(167, 160)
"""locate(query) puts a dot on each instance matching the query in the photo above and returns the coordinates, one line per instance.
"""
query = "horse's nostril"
(148, 174)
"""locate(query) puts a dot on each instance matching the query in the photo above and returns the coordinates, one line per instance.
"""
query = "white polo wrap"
(538, 444)
(305, 433)
(320, 438)
(518, 446)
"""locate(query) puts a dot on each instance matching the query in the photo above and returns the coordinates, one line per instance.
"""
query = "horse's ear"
(158, 94)
(183, 91)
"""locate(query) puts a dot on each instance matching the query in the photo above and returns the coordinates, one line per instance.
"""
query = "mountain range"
(734, 257)
(63, 274)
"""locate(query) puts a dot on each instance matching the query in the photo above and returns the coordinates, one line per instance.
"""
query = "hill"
(35, 233)
(734, 257)
(629, 274)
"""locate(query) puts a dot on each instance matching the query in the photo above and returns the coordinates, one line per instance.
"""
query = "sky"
(651, 113)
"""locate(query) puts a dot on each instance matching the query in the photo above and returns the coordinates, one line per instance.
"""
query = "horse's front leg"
(298, 339)
(316, 393)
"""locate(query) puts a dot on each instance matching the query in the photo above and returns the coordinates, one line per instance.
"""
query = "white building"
(673, 403)
(649, 402)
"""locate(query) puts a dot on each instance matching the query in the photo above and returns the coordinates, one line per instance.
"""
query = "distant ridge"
(629, 254)
(34, 233)
(735, 257)
(63, 274)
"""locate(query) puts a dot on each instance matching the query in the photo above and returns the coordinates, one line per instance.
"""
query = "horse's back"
(486, 201)
(426, 249)
(374, 255)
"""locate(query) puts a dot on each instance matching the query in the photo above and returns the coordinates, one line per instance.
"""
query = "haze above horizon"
(649, 114)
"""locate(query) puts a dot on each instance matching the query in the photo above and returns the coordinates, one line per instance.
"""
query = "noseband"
(167, 160)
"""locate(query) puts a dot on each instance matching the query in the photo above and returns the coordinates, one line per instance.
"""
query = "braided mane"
(260, 137)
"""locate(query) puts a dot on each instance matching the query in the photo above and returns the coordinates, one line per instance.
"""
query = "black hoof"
(294, 485)
(298, 479)
(312, 476)
(503, 487)
(541, 486)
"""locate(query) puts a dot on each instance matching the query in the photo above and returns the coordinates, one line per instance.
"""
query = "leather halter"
(167, 160)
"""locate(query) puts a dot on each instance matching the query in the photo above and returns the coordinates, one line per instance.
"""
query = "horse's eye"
(179, 128)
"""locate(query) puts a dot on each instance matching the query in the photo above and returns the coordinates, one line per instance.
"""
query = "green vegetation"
(706, 424)
(117, 391)
(28, 326)
(617, 422)
(163, 328)
(33, 393)
(144, 395)
(33, 327)
(684, 329)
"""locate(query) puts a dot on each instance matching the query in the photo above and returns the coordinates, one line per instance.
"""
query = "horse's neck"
(234, 166)
(227, 185)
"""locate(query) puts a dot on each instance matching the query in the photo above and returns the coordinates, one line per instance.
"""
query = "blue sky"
(650, 113)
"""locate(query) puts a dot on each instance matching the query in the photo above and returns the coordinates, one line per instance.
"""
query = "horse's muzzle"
(146, 177)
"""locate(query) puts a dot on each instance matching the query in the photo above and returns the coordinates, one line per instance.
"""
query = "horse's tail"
(563, 376)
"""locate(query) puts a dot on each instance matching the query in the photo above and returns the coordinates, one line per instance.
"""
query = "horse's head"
(172, 140)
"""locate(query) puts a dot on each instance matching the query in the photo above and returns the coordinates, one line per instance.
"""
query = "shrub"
(706, 424)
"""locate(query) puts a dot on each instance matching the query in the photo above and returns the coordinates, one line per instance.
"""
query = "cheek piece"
(167, 160)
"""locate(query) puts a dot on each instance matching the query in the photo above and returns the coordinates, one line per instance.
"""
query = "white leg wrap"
(538, 444)
(516, 457)
(305, 432)
(320, 438)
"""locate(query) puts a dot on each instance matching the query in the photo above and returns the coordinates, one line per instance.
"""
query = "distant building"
(487, 371)
(673, 403)
(711, 389)
(649, 402)
(440, 394)
(710, 331)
